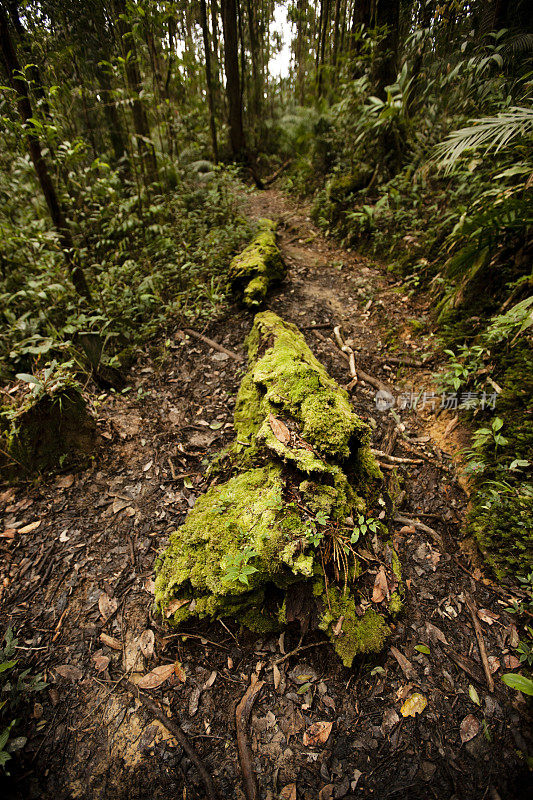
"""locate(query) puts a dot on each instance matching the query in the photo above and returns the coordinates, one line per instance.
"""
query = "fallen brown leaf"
(487, 616)
(110, 641)
(174, 605)
(65, 482)
(107, 605)
(101, 662)
(288, 792)
(469, 728)
(9, 533)
(69, 671)
(179, 672)
(381, 586)
(155, 678)
(31, 527)
(279, 429)
(146, 643)
(317, 733)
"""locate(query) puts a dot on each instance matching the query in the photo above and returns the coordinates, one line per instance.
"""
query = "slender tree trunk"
(388, 15)
(209, 80)
(133, 77)
(233, 89)
(257, 89)
(336, 34)
(34, 146)
(322, 47)
(114, 125)
(300, 50)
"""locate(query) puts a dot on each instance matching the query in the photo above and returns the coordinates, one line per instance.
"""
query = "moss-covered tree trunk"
(294, 499)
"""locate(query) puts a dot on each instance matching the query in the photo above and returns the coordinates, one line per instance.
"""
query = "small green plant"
(484, 436)
(362, 526)
(462, 367)
(53, 378)
(14, 688)
(238, 567)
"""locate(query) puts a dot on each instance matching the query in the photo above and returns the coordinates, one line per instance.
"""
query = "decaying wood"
(480, 641)
(420, 526)
(176, 731)
(242, 720)
(356, 373)
(396, 459)
(346, 350)
(277, 173)
(213, 344)
(464, 663)
(296, 651)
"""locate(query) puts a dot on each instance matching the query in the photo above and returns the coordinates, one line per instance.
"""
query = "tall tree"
(386, 65)
(233, 84)
(17, 80)
(133, 77)
(209, 79)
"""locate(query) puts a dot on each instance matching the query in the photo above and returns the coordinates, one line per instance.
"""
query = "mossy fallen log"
(253, 271)
(51, 431)
(281, 525)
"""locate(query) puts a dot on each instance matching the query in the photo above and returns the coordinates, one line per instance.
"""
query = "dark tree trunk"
(34, 146)
(209, 80)
(133, 77)
(233, 87)
(386, 67)
(114, 125)
(257, 89)
(300, 50)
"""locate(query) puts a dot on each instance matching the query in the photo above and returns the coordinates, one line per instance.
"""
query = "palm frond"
(491, 133)
(518, 45)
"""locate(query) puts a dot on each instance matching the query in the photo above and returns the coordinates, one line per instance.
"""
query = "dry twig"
(242, 720)
(480, 641)
(437, 538)
(178, 734)
(213, 344)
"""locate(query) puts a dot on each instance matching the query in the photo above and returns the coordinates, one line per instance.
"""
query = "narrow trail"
(92, 552)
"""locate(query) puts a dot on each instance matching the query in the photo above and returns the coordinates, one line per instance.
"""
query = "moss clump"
(502, 525)
(301, 469)
(258, 266)
(357, 634)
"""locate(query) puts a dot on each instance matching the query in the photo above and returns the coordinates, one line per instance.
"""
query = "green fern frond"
(491, 133)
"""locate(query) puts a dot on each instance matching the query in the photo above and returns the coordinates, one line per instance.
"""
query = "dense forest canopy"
(132, 131)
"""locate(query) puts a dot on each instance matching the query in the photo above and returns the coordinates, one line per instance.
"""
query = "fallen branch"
(396, 459)
(213, 344)
(296, 651)
(277, 173)
(464, 663)
(242, 720)
(177, 733)
(480, 641)
(420, 526)
(348, 352)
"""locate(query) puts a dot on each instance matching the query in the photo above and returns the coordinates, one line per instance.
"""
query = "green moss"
(259, 265)
(255, 531)
(502, 525)
(365, 634)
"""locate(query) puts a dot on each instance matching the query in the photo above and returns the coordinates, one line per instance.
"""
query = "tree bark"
(233, 87)
(34, 146)
(133, 77)
(388, 16)
(209, 79)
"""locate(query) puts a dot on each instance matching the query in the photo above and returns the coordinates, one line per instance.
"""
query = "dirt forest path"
(77, 583)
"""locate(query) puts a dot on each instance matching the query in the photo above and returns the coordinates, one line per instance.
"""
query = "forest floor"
(77, 583)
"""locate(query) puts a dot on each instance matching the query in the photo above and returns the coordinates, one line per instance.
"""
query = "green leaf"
(23, 376)
(423, 648)
(518, 682)
(473, 695)
(215, 426)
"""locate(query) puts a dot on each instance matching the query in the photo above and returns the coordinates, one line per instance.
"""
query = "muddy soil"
(77, 585)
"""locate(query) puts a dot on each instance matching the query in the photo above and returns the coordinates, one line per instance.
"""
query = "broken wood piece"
(213, 344)
(346, 350)
(405, 665)
(176, 731)
(464, 663)
(242, 720)
(480, 641)
(396, 459)
(420, 526)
